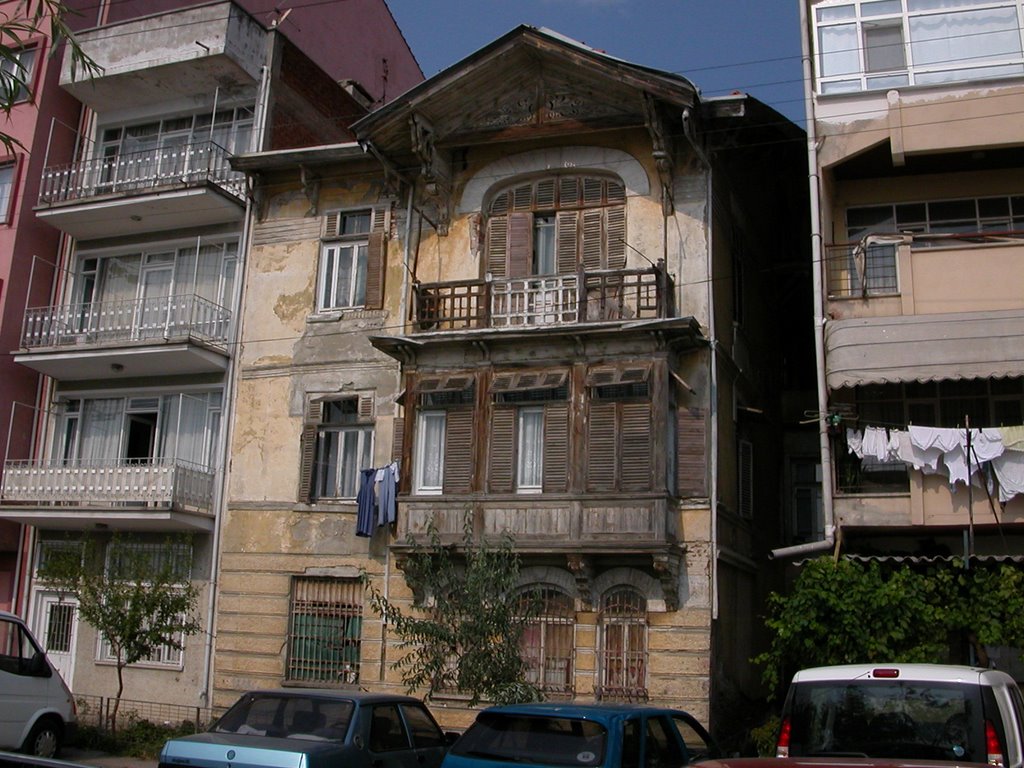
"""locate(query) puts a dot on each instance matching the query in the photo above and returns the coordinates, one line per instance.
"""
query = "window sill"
(337, 315)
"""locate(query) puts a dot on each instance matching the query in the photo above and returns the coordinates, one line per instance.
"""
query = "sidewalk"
(103, 760)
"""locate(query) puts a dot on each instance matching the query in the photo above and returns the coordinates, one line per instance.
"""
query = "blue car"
(315, 728)
(582, 736)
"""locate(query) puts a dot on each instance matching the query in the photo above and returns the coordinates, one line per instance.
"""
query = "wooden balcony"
(154, 494)
(544, 300)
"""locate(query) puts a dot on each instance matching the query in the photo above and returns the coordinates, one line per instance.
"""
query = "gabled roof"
(528, 82)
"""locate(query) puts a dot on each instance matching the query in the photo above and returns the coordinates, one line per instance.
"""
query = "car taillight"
(993, 748)
(782, 746)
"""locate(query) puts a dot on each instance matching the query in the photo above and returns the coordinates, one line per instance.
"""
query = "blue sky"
(720, 45)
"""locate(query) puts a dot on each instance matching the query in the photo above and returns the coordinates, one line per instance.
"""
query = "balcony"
(172, 187)
(539, 525)
(542, 301)
(144, 495)
(160, 336)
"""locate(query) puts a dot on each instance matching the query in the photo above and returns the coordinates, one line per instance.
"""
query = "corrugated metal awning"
(964, 345)
(921, 559)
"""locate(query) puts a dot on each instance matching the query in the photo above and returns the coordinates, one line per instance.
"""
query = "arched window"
(547, 642)
(623, 649)
(556, 225)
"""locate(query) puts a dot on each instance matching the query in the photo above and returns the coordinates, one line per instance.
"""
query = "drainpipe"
(709, 243)
(814, 184)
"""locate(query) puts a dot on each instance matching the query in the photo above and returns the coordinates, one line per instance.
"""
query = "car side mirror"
(38, 666)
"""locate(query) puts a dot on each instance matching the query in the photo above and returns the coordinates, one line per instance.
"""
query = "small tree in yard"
(843, 611)
(467, 636)
(140, 599)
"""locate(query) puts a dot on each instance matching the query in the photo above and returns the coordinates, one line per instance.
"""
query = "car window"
(888, 718)
(661, 748)
(631, 743)
(16, 648)
(425, 732)
(387, 733)
(696, 743)
(534, 739)
(295, 717)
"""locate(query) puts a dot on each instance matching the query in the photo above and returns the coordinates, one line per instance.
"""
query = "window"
(623, 646)
(443, 458)
(528, 442)
(619, 429)
(547, 643)
(351, 260)
(325, 629)
(16, 648)
(7, 176)
(880, 44)
(344, 446)
(16, 70)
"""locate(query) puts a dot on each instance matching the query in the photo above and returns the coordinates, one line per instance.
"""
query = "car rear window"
(287, 717)
(531, 739)
(887, 718)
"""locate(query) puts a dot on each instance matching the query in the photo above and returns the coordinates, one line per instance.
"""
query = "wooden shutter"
(593, 239)
(567, 240)
(556, 447)
(458, 451)
(615, 219)
(501, 450)
(691, 453)
(376, 251)
(636, 447)
(497, 246)
(307, 448)
(602, 448)
(398, 439)
(520, 244)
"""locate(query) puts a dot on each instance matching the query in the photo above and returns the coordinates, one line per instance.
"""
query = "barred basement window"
(623, 646)
(325, 627)
(547, 644)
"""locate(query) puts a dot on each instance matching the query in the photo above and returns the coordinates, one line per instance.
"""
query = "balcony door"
(154, 309)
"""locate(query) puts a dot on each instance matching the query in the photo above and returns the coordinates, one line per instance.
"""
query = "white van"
(904, 711)
(37, 710)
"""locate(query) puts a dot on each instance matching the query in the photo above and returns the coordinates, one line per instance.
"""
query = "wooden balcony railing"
(114, 322)
(544, 300)
(164, 483)
(140, 172)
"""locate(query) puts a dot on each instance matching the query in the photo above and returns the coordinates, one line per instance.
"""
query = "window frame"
(8, 200)
(325, 598)
(621, 617)
(364, 261)
(832, 16)
(27, 82)
(361, 424)
(557, 610)
(437, 448)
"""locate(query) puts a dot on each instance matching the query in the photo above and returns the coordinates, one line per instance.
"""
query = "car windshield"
(888, 718)
(533, 739)
(287, 717)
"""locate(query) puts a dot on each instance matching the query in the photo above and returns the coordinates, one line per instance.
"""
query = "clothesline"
(943, 450)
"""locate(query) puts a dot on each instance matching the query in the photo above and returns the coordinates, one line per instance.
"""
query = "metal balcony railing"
(544, 300)
(165, 483)
(140, 172)
(114, 322)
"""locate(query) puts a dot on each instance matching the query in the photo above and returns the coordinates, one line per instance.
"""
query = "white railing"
(549, 300)
(105, 322)
(167, 483)
(188, 164)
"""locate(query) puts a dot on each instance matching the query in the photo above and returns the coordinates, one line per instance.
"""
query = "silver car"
(315, 728)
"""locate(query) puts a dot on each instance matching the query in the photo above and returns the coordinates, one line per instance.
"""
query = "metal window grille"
(162, 656)
(124, 559)
(547, 644)
(325, 627)
(60, 618)
(623, 655)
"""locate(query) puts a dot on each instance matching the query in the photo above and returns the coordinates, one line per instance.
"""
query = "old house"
(545, 289)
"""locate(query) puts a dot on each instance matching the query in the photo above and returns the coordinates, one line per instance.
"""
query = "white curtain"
(531, 447)
(431, 454)
(102, 425)
(183, 432)
(964, 38)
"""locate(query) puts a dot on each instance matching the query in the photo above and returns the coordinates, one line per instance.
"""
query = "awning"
(962, 345)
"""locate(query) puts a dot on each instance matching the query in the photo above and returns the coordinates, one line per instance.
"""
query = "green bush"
(136, 738)
(766, 735)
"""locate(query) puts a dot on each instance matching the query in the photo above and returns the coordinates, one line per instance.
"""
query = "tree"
(845, 611)
(140, 599)
(23, 21)
(467, 636)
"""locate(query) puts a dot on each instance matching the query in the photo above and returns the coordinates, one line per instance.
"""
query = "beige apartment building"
(916, 148)
(535, 291)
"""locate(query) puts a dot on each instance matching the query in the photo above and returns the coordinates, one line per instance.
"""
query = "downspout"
(230, 396)
(817, 286)
(709, 244)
